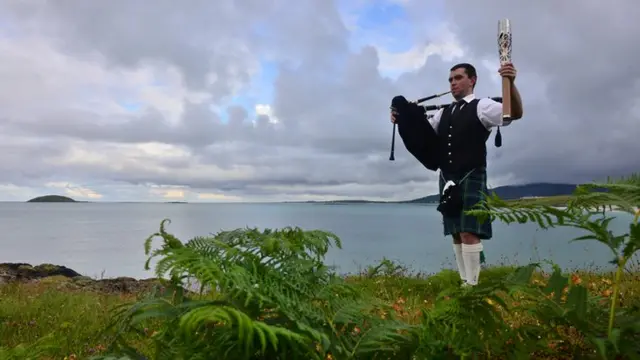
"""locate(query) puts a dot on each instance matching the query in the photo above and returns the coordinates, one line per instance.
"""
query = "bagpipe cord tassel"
(498, 138)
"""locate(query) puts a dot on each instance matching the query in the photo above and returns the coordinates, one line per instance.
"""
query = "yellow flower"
(490, 302)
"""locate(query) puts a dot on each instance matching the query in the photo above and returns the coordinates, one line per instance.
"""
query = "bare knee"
(457, 239)
(469, 238)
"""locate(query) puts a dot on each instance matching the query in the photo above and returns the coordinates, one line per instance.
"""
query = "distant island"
(515, 192)
(507, 192)
(52, 198)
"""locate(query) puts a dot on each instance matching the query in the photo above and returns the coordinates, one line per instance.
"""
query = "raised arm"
(509, 71)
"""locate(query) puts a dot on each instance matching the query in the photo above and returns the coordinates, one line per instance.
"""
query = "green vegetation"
(268, 295)
(508, 192)
(52, 198)
(515, 192)
(558, 201)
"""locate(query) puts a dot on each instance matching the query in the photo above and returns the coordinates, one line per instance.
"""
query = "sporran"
(451, 199)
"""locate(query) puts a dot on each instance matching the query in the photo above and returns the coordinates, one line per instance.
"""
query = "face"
(460, 84)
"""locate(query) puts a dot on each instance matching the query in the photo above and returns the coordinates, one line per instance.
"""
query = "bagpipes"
(414, 128)
(415, 131)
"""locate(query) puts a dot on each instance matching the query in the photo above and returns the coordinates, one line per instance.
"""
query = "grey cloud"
(198, 38)
(24, 161)
(333, 104)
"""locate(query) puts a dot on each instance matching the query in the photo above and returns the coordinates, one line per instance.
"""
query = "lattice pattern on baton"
(504, 47)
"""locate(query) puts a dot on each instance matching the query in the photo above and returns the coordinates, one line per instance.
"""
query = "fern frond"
(492, 207)
(246, 330)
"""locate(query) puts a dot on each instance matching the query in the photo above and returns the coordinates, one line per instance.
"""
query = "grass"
(559, 200)
(30, 311)
(77, 317)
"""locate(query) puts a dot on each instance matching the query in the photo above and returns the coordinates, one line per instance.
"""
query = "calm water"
(107, 239)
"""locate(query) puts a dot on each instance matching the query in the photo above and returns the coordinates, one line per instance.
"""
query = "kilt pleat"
(473, 187)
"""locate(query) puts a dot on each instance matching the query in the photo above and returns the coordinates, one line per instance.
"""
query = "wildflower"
(490, 302)
(356, 330)
(575, 279)
(383, 314)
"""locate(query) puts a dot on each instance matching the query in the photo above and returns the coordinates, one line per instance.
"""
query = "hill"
(507, 192)
(512, 192)
(52, 198)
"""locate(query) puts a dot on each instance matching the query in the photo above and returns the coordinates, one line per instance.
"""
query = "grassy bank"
(559, 200)
(77, 316)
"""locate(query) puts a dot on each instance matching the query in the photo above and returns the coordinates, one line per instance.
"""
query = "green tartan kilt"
(473, 188)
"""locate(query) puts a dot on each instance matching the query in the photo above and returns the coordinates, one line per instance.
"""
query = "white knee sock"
(471, 256)
(457, 250)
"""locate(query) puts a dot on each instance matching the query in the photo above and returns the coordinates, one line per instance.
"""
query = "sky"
(273, 100)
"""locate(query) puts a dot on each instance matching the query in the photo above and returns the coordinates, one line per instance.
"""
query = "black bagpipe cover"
(416, 133)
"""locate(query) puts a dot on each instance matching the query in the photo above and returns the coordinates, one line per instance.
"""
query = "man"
(463, 129)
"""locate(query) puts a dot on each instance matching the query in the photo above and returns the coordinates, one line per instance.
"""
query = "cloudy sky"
(263, 100)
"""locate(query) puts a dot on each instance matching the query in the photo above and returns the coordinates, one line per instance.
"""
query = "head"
(462, 80)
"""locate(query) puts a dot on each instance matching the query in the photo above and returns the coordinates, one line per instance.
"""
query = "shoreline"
(24, 273)
(69, 279)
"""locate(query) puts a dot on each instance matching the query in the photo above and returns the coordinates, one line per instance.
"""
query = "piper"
(462, 129)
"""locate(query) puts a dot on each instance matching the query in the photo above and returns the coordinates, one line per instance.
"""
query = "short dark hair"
(469, 69)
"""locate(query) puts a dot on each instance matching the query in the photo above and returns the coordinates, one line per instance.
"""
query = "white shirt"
(489, 113)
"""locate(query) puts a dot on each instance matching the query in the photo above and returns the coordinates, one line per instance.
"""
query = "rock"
(64, 278)
(22, 271)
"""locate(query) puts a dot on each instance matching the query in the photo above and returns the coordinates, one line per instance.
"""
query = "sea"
(104, 240)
